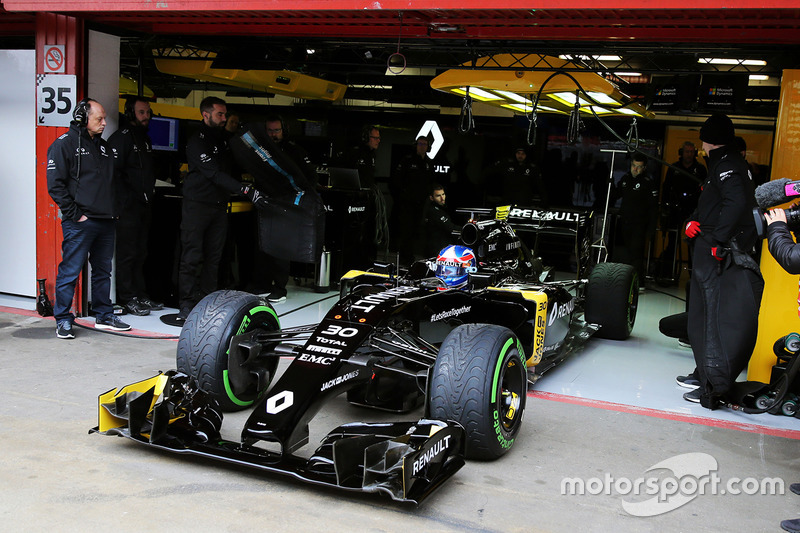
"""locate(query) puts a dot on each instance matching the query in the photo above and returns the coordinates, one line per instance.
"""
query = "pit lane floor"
(601, 419)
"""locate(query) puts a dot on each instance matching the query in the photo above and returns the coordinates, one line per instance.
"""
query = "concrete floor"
(605, 413)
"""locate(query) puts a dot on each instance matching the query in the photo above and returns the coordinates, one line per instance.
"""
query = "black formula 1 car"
(395, 341)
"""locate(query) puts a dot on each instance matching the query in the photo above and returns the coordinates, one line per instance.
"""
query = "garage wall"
(18, 173)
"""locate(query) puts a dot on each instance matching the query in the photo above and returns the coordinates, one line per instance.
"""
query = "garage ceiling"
(353, 41)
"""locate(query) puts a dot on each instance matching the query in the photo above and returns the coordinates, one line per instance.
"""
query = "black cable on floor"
(668, 294)
(309, 304)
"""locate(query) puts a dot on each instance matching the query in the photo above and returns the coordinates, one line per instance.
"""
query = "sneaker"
(693, 395)
(688, 382)
(111, 322)
(150, 304)
(137, 307)
(684, 343)
(64, 330)
(277, 296)
(792, 526)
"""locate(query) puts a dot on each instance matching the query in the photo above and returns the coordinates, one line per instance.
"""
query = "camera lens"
(793, 217)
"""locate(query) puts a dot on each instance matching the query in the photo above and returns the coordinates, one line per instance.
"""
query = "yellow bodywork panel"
(107, 400)
(539, 322)
(355, 273)
(284, 82)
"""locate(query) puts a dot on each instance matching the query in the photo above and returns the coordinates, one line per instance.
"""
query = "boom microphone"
(776, 192)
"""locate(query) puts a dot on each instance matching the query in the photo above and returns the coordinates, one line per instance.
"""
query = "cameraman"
(787, 253)
(781, 245)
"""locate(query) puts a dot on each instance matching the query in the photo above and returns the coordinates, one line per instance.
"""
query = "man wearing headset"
(135, 188)
(273, 272)
(80, 180)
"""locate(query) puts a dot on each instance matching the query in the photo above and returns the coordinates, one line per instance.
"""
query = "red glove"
(717, 253)
(692, 229)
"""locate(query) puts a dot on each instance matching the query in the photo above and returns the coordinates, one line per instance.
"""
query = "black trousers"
(270, 271)
(203, 231)
(133, 228)
(723, 321)
(634, 239)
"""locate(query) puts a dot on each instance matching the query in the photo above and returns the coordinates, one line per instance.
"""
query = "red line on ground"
(667, 415)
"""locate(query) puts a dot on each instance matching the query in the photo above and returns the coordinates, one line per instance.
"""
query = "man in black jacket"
(80, 174)
(726, 284)
(438, 228)
(638, 210)
(206, 191)
(135, 188)
(411, 182)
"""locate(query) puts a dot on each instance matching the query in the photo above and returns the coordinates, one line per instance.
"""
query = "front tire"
(479, 380)
(612, 296)
(206, 336)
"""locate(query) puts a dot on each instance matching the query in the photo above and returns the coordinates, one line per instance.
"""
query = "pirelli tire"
(206, 336)
(479, 380)
(612, 297)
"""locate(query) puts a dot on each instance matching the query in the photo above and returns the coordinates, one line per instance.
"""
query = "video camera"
(774, 193)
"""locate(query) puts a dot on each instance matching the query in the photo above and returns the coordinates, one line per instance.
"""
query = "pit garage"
(607, 440)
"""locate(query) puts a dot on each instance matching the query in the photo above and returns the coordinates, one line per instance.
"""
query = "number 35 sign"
(55, 99)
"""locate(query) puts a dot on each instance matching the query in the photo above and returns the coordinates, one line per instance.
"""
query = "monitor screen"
(164, 133)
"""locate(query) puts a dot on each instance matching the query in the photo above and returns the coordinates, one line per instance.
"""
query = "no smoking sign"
(54, 58)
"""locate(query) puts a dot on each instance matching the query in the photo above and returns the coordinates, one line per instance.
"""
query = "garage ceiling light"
(573, 57)
(758, 77)
(514, 97)
(729, 61)
(477, 94)
(510, 81)
(527, 108)
(569, 98)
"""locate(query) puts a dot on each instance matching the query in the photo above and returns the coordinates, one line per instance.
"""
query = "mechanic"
(272, 273)
(362, 158)
(679, 196)
(206, 191)
(232, 121)
(411, 182)
(726, 283)
(520, 180)
(638, 211)
(80, 180)
(134, 188)
(787, 253)
(438, 227)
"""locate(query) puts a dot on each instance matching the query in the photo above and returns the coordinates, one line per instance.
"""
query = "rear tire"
(479, 380)
(612, 296)
(206, 336)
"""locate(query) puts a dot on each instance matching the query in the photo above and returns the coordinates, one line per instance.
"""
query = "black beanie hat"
(718, 129)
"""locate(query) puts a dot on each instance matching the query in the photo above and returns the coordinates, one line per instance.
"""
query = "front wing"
(406, 460)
